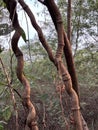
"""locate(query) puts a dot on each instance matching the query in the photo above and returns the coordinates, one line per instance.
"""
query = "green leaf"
(7, 113)
(2, 4)
(23, 35)
(1, 127)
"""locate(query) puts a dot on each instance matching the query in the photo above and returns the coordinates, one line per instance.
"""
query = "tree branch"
(31, 118)
(67, 46)
(65, 75)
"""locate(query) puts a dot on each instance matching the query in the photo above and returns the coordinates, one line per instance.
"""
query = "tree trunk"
(67, 46)
(57, 59)
(31, 117)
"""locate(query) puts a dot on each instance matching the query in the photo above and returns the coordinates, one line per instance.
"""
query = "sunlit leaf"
(23, 35)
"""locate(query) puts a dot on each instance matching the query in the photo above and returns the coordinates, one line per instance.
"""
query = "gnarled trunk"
(50, 4)
(63, 44)
(31, 117)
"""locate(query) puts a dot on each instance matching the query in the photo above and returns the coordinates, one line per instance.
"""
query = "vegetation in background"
(38, 67)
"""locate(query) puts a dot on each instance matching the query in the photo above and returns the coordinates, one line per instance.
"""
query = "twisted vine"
(31, 117)
(51, 6)
(57, 59)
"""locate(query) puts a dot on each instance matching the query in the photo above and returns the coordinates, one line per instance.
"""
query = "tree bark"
(57, 60)
(31, 117)
(50, 4)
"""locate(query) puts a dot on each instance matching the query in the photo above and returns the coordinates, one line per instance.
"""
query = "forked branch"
(50, 4)
(57, 59)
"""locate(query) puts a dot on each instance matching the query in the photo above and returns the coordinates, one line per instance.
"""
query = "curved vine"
(31, 117)
(57, 59)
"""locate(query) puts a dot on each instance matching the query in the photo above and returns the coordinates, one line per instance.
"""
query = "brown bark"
(57, 59)
(71, 83)
(37, 28)
(31, 117)
(50, 4)
(70, 63)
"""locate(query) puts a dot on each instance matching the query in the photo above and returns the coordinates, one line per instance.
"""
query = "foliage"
(63, 8)
(42, 74)
(1, 127)
(84, 22)
(5, 28)
(6, 106)
(86, 66)
(2, 4)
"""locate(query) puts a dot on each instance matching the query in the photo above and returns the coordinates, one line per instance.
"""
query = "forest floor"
(53, 117)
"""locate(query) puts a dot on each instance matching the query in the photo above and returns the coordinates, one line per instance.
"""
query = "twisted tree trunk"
(31, 117)
(50, 4)
(57, 59)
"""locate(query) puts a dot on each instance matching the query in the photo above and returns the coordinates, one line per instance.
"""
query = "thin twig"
(11, 92)
(44, 115)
